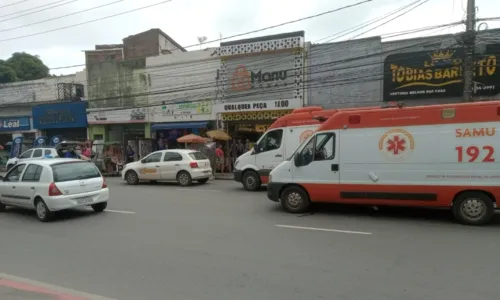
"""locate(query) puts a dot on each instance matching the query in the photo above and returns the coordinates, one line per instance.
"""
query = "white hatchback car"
(50, 185)
(31, 154)
(179, 165)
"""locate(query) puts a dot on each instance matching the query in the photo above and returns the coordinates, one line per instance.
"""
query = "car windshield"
(296, 149)
(74, 171)
(197, 156)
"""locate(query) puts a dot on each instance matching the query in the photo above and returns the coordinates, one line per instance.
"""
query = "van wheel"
(294, 200)
(473, 208)
(184, 178)
(251, 181)
(131, 177)
(42, 211)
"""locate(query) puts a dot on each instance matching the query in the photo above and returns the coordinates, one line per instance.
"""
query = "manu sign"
(244, 79)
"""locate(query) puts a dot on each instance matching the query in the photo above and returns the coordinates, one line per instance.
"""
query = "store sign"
(197, 111)
(61, 115)
(15, 124)
(118, 116)
(248, 78)
(256, 105)
(438, 73)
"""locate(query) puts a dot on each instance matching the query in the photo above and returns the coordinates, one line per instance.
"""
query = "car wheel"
(184, 178)
(42, 211)
(3, 207)
(294, 200)
(251, 181)
(131, 177)
(99, 207)
(10, 166)
(473, 208)
(203, 181)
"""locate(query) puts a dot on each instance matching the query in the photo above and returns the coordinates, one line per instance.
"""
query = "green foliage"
(22, 66)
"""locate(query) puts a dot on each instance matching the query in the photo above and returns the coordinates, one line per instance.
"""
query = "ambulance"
(280, 141)
(430, 156)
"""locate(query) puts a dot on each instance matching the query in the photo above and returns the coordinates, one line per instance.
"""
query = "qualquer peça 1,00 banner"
(439, 73)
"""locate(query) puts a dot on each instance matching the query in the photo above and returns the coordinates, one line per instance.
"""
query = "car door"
(170, 165)
(27, 186)
(9, 185)
(150, 169)
(319, 166)
(269, 151)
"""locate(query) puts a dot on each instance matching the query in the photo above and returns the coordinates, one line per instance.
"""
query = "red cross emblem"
(396, 145)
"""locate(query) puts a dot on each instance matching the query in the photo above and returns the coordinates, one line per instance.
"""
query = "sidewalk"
(226, 176)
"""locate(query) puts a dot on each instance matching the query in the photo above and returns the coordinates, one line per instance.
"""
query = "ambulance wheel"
(294, 200)
(473, 208)
(251, 181)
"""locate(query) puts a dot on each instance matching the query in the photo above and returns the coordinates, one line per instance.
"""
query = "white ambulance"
(429, 156)
(281, 139)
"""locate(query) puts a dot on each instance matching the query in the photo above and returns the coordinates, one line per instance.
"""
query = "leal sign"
(257, 105)
(109, 116)
(19, 123)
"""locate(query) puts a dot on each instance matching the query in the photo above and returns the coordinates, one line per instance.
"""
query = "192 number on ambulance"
(475, 153)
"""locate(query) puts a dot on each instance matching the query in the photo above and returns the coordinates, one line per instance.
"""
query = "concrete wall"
(36, 91)
(117, 84)
(182, 76)
(350, 74)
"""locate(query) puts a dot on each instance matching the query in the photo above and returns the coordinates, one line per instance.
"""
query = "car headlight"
(270, 177)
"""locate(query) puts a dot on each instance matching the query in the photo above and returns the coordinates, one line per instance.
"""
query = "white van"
(430, 156)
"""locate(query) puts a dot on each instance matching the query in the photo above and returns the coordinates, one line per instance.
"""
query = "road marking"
(120, 211)
(325, 229)
(60, 293)
(201, 190)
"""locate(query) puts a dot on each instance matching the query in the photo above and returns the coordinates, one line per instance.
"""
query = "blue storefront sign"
(15, 124)
(60, 115)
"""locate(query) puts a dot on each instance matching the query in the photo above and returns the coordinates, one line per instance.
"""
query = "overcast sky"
(185, 20)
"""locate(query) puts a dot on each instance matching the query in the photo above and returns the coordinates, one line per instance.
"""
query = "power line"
(362, 25)
(252, 31)
(28, 9)
(390, 20)
(15, 3)
(60, 17)
(37, 11)
(87, 22)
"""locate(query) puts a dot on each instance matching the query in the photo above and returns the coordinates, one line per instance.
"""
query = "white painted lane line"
(201, 190)
(325, 229)
(120, 211)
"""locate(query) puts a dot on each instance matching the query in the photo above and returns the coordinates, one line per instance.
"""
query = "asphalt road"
(216, 241)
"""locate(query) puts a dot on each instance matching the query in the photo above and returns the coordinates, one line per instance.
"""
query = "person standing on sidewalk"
(219, 153)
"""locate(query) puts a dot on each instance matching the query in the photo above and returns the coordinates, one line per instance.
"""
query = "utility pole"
(469, 40)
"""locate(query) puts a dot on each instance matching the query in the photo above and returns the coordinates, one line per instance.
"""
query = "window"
(172, 156)
(153, 158)
(197, 156)
(32, 173)
(320, 147)
(271, 141)
(37, 153)
(47, 152)
(26, 154)
(15, 173)
(74, 171)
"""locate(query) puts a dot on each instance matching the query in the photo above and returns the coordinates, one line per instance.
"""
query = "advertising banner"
(60, 115)
(434, 74)
(40, 141)
(17, 146)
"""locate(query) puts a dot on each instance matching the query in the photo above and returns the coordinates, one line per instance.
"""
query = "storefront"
(12, 127)
(249, 119)
(171, 121)
(65, 120)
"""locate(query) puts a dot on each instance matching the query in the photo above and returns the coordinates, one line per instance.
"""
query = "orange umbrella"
(191, 139)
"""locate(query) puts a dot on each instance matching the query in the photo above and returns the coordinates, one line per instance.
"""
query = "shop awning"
(179, 125)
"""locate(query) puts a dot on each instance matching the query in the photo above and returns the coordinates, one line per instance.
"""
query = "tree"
(7, 74)
(25, 67)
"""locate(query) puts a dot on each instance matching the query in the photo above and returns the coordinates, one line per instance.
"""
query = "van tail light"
(193, 164)
(104, 184)
(53, 190)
